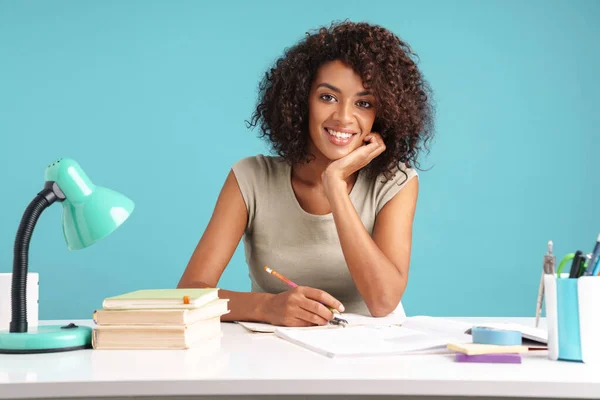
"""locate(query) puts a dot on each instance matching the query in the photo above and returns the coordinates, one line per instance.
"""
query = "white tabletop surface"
(262, 364)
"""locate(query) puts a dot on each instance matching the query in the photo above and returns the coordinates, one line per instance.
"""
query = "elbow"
(380, 312)
(383, 307)
(386, 298)
(384, 302)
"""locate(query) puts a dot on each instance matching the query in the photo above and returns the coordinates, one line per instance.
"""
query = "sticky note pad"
(509, 358)
(476, 348)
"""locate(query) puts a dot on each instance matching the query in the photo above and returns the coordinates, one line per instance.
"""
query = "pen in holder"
(571, 315)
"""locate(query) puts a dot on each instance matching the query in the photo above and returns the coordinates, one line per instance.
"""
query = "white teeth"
(340, 135)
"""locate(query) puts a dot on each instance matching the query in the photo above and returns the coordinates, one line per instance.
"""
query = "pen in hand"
(336, 320)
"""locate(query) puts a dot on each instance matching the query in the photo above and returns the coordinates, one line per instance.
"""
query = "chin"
(335, 155)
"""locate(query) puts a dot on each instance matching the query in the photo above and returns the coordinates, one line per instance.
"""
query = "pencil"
(281, 277)
(337, 321)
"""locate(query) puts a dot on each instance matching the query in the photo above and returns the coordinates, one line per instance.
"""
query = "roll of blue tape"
(498, 337)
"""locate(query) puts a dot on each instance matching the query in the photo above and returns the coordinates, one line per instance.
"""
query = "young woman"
(347, 112)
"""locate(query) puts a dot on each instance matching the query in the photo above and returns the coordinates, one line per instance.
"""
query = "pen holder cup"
(572, 318)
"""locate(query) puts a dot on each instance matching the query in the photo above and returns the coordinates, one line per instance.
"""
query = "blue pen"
(593, 266)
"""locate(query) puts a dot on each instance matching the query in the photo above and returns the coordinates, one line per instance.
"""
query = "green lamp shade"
(87, 222)
(90, 212)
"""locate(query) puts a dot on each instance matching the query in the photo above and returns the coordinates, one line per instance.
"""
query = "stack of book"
(159, 319)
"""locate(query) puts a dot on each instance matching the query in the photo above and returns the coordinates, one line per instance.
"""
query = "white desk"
(254, 365)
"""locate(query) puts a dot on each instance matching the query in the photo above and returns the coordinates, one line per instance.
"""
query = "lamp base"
(46, 339)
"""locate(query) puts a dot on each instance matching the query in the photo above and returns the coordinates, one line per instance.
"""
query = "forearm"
(379, 281)
(243, 306)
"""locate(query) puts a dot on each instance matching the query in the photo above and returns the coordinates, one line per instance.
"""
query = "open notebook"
(353, 320)
(415, 335)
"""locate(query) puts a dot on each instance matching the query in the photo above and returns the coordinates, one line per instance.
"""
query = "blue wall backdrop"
(151, 96)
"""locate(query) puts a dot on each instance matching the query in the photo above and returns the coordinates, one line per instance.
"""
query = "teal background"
(150, 97)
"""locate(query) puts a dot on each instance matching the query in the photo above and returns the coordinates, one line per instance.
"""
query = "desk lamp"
(90, 213)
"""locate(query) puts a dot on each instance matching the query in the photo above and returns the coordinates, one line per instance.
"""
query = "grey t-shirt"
(301, 246)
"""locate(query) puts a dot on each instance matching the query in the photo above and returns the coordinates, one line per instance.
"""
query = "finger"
(323, 297)
(370, 151)
(373, 136)
(358, 156)
(376, 135)
(311, 317)
(378, 146)
(374, 145)
(317, 308)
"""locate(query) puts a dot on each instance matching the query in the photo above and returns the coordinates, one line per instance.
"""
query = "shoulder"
(258, 165)
(399, 177)
(386, 187)
(254, 174)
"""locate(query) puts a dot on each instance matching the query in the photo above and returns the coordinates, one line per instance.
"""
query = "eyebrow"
(331, 87)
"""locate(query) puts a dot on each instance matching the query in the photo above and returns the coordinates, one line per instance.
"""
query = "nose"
(344, 113)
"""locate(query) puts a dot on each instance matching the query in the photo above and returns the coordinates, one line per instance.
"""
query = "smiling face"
(341, 111)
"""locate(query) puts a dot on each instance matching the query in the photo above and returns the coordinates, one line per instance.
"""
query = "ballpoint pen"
(577, 259)
(548, 268)
(335, 321)
(582, 264)
(593, 266)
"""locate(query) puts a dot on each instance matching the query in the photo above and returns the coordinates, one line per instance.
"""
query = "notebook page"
(353, 320)
(364, 340)
(260, 327)
(359, 319)
(440, 326)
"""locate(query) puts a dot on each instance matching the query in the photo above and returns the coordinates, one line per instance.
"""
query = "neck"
(311, 173)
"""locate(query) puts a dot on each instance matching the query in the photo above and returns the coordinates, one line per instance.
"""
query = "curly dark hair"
(385, 64)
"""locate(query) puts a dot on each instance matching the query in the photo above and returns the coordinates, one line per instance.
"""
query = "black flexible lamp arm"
(50, 194)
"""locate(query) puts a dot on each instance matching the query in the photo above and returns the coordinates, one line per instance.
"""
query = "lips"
(339, 137)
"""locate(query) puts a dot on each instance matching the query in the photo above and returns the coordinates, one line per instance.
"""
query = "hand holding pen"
(301, 306)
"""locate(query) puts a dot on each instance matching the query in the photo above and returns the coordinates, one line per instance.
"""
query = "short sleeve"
(387, 189)
(249, 175)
